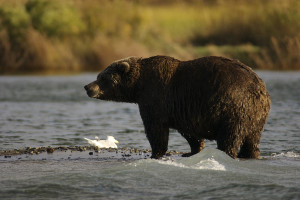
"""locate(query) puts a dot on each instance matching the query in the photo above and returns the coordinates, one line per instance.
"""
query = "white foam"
(288, 154)
(172, 163)
(207, 164)
(208, 159)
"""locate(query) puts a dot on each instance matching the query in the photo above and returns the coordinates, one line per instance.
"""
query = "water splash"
(289, 154)
(210, 164)
(208, 159)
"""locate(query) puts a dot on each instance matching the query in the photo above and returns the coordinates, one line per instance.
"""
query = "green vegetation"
(41, 36)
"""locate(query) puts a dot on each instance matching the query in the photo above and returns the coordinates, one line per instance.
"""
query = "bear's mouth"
(92, 94)
(93, 91)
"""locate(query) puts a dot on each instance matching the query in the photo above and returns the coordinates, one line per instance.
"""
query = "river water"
(38, 111)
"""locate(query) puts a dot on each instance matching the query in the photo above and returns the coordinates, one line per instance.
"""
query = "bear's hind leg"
(229, 142)
(230, 148)
(196, 145)
(249, 148)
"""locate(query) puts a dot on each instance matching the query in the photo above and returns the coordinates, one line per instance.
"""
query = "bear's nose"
(86, 87)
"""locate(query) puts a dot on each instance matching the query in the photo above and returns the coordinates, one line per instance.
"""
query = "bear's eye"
(115, 79)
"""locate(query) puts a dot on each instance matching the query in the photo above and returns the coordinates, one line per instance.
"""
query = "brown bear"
(212, 98)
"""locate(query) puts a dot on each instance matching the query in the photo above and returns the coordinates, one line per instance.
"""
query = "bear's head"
(116, 82)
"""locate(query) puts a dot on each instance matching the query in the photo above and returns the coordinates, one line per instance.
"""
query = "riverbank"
(54, 37)
(78, 152)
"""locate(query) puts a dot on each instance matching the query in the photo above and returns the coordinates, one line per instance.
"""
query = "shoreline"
(78, 152)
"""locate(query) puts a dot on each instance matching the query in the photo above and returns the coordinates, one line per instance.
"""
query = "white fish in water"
(110, 142)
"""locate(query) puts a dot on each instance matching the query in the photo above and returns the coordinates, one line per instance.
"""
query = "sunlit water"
(55, 111)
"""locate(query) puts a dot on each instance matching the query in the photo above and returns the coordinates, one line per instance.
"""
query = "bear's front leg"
(157, 132)
(158, 137)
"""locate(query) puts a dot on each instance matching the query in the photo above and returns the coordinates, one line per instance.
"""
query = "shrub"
(251, 22)
(15, 21)
(55, 18)
(76, 35)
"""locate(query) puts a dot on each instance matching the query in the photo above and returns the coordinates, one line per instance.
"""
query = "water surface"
(55, 111)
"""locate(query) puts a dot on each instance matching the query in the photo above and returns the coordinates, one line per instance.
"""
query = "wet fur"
(211, 98)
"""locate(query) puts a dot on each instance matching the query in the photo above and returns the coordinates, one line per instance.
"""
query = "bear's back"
(210, 85)
(213, 67)
(215, 73)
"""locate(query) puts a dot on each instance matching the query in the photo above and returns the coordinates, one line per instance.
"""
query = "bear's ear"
(124, 67)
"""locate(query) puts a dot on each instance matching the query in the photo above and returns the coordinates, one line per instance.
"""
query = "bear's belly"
(197, 130)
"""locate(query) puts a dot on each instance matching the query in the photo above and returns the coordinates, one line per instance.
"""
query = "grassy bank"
(38, 36)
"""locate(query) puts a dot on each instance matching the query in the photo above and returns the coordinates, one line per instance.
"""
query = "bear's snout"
(92, 90)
